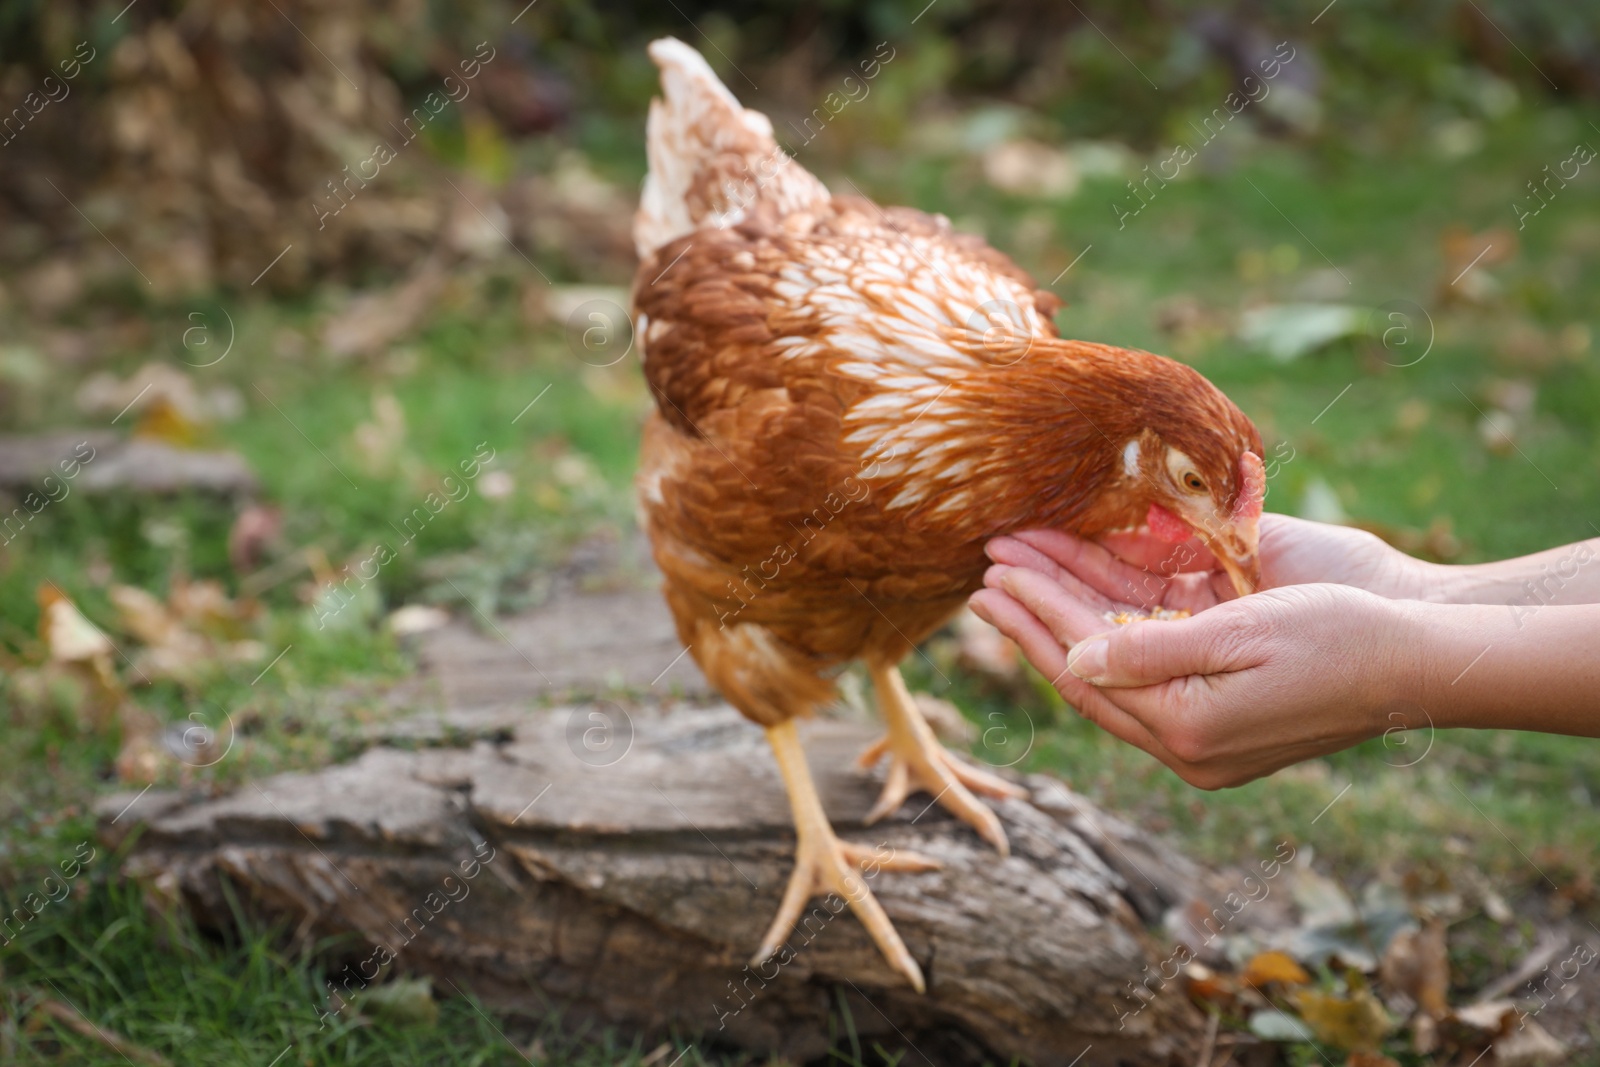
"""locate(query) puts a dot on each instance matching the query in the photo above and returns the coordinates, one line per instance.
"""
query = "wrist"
(1394, 671)
(1442, 583)
(1496, 667)
(1423, 639)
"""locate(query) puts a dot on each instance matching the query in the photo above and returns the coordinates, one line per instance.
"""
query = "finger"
(1048, 656)
(1150, 653)
(1064, 548)
(1274, 525)
(1219, 584)
(1279, 536)
(1005, 614)
(1068, 612)
(1013, 552)
(1096, 567)
(1063, 582)
(1140, 549)
(1189, 574)
(1016, 552)
(1195, 593)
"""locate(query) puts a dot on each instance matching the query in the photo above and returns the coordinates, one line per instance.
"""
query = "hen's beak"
(1235, 546)
(1236, 541)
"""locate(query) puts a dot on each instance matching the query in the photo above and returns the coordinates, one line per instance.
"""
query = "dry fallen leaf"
(1495, 906)
(69, 637)
(1527, 1045)
(373, 321)
(206, 605)
(416, 619)
(1205, 984)
(1285, 332)
(162, 401)
(1032, 169)
(165, 421)
(195, 632)
(1492, 1017)
(1417, 964)
(1355, 1021)
(171, 651)
(141, 756)
(403, 1000)
(1467, 258)
(1274, 966)
(76, 645)
(143, 615)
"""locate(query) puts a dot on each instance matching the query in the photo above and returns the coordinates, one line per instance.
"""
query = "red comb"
(1252, 487)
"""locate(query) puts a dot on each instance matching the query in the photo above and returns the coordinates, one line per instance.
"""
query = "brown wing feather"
(773, 532)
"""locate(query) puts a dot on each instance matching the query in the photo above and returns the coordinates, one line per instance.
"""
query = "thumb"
(1152, 652)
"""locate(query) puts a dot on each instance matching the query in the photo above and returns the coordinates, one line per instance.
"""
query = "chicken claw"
(825, 864)
(918, 761)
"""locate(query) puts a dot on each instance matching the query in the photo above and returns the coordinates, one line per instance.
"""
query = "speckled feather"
(850, 401)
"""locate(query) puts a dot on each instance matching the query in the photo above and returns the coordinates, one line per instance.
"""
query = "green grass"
(1401, 449)
(243, 1000)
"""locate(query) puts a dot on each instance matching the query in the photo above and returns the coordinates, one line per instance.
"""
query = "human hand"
(1139, 569)
(1224, 697)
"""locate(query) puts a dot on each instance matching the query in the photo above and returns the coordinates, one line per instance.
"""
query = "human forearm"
(1488, 666)
(1569, 574)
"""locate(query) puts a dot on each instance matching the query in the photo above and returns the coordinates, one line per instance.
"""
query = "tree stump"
(621, 865)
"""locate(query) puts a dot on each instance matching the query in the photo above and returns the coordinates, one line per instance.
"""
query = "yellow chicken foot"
(824, 864)
(919, 761)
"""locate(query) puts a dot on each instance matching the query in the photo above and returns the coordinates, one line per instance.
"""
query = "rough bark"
(625, 861)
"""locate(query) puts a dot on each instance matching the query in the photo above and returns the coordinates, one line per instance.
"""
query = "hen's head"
(1193, 469)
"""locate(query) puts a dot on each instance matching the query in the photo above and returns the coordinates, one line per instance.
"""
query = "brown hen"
(851, 400)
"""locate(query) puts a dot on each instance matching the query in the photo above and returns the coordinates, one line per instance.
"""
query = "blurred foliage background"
(200, 133)
(334, 248)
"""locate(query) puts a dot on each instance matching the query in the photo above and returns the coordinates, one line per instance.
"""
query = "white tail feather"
(712, 161)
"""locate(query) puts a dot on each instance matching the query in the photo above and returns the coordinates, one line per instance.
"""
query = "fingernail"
(981, 612)
(1087, 660)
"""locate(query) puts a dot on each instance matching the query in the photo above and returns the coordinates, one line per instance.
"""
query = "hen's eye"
(1194, 481)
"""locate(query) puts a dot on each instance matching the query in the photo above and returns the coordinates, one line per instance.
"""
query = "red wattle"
(1166, 526)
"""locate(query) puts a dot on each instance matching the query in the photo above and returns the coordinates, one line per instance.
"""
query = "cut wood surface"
(576, 643)
(617, 859)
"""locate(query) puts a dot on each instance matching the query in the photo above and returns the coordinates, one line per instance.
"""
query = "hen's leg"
(918, 761)
(824, 864)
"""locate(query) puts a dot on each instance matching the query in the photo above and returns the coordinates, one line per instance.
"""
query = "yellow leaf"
(164, 420)
(1356, 1022)
(1275, 967)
